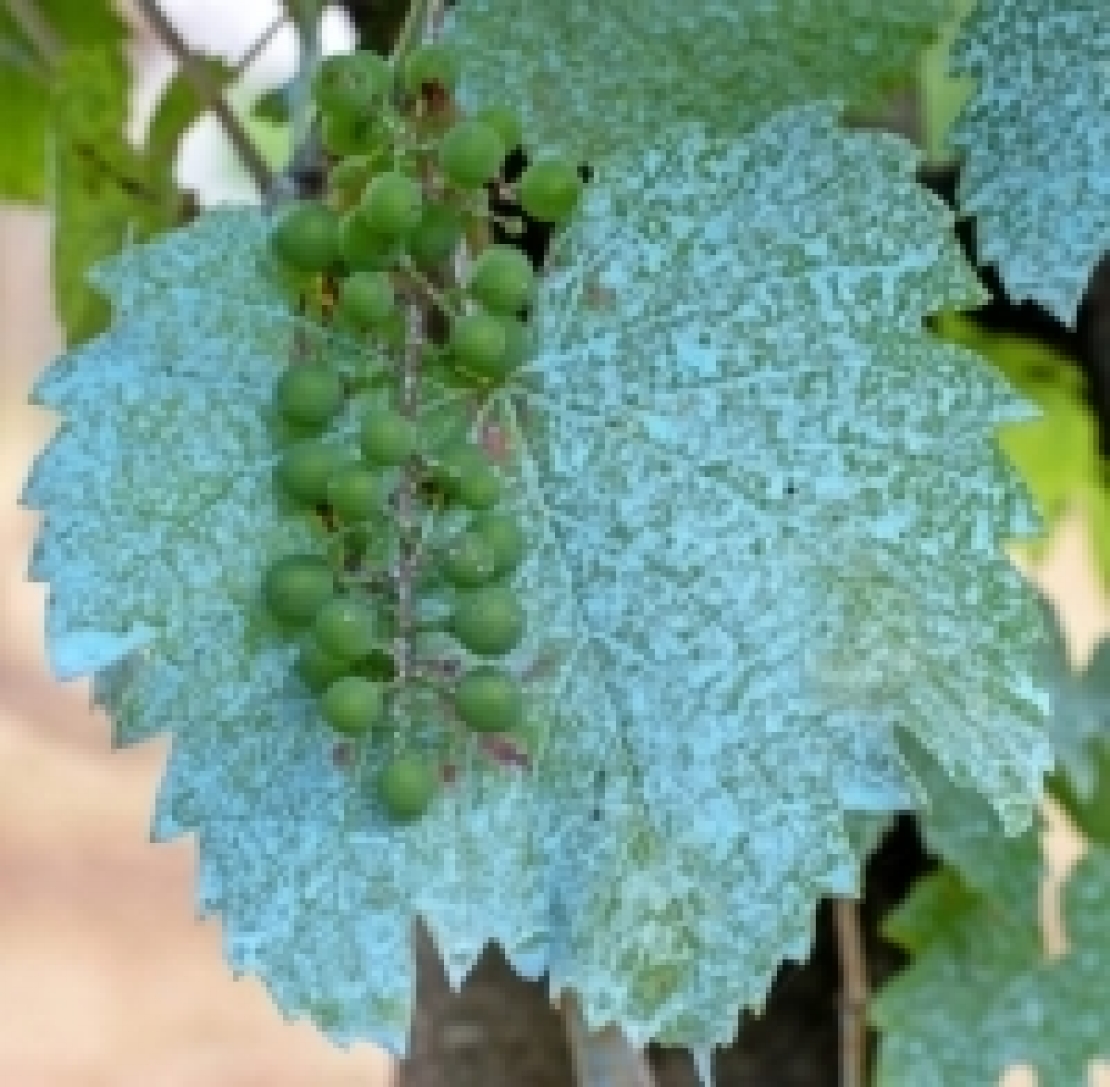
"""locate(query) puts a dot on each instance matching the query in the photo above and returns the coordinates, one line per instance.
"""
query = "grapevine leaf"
(726, 698)
(179, 106)
(104, 192)
(782, 520)
(981, 996)
(1033, 137)
(26, 81)
(590, 77)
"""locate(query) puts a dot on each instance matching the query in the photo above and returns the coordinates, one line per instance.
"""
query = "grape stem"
(195, 72)
(408, 266)
(853, 1000)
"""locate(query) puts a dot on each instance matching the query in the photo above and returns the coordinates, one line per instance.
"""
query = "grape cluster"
(408, 181)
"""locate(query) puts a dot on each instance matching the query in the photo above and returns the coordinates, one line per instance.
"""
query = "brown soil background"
(106, 977)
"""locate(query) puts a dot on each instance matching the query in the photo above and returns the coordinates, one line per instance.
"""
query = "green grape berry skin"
(347, 627)
(430, 63)
(549, 190)
(489, 621)
(478, 341)
(406, 786)
(436, 236)
(309, 395)
(295, 587)
(307, 237)
(489, 699)
(471, 153)
(393, 204)
(505, 122)
(366, 297)
(360, 246)
(305, 469)
(317, 669)
(503, 536)
(353, 493)
(348, 84)
(352, 705)
(469, 476)
(469, 561)
(502, 279)
(387, 437)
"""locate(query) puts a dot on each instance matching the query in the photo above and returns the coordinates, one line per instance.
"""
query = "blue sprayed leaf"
(763, 507)
(1034, 139)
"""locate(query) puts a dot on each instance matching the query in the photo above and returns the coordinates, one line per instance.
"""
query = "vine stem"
(602, 1058)
(36, 29)
(194, 71)
(854, 993)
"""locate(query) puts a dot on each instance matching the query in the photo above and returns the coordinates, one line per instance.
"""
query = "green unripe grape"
(478, 341)
(469, 476)
(436, 235)
(407, 786)
(502, 279)
(307, 237)
(296, 586)
(367, 297)
(348, 84)
(489, 699)
(549, 190)
(471, 153)
(505, 122)
(361, 247)
(352, 705)
(309, 395)
(431, 63)
(489, 621)
(393, 204)
(318, 669)
(518, 346)
(347, 134)
(347, 627)
(504, 537)
(352, 492)
(387, 437)
(468, 561)
(305, 469)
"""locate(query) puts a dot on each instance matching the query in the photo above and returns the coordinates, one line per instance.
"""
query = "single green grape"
(435, 62)
(393, 204)
(505, 122)
(348, 134)
(468, 561)
(489, 621)
(307, 237)
(294, 587)
(304, 471)
(478, 341)
(366, 298)
(471, 153)
(549, 190)
(489, 699)
(347, 627)
(387, 437)
(504, 537)
(437, 234)
(352, 705)
(406, 786)
(349, 84)
(309, 395)
(318, 669)
(469, 476)
(361, 247)
(352, 492)
(502, 279)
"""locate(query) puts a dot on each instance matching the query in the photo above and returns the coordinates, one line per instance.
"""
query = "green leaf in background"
(1057, 454)
(592, 76)
(1033, 139)
(179, 106)
(982, 996)
(104, 193)
(25, 87)
(942, 96)
(764, 508)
